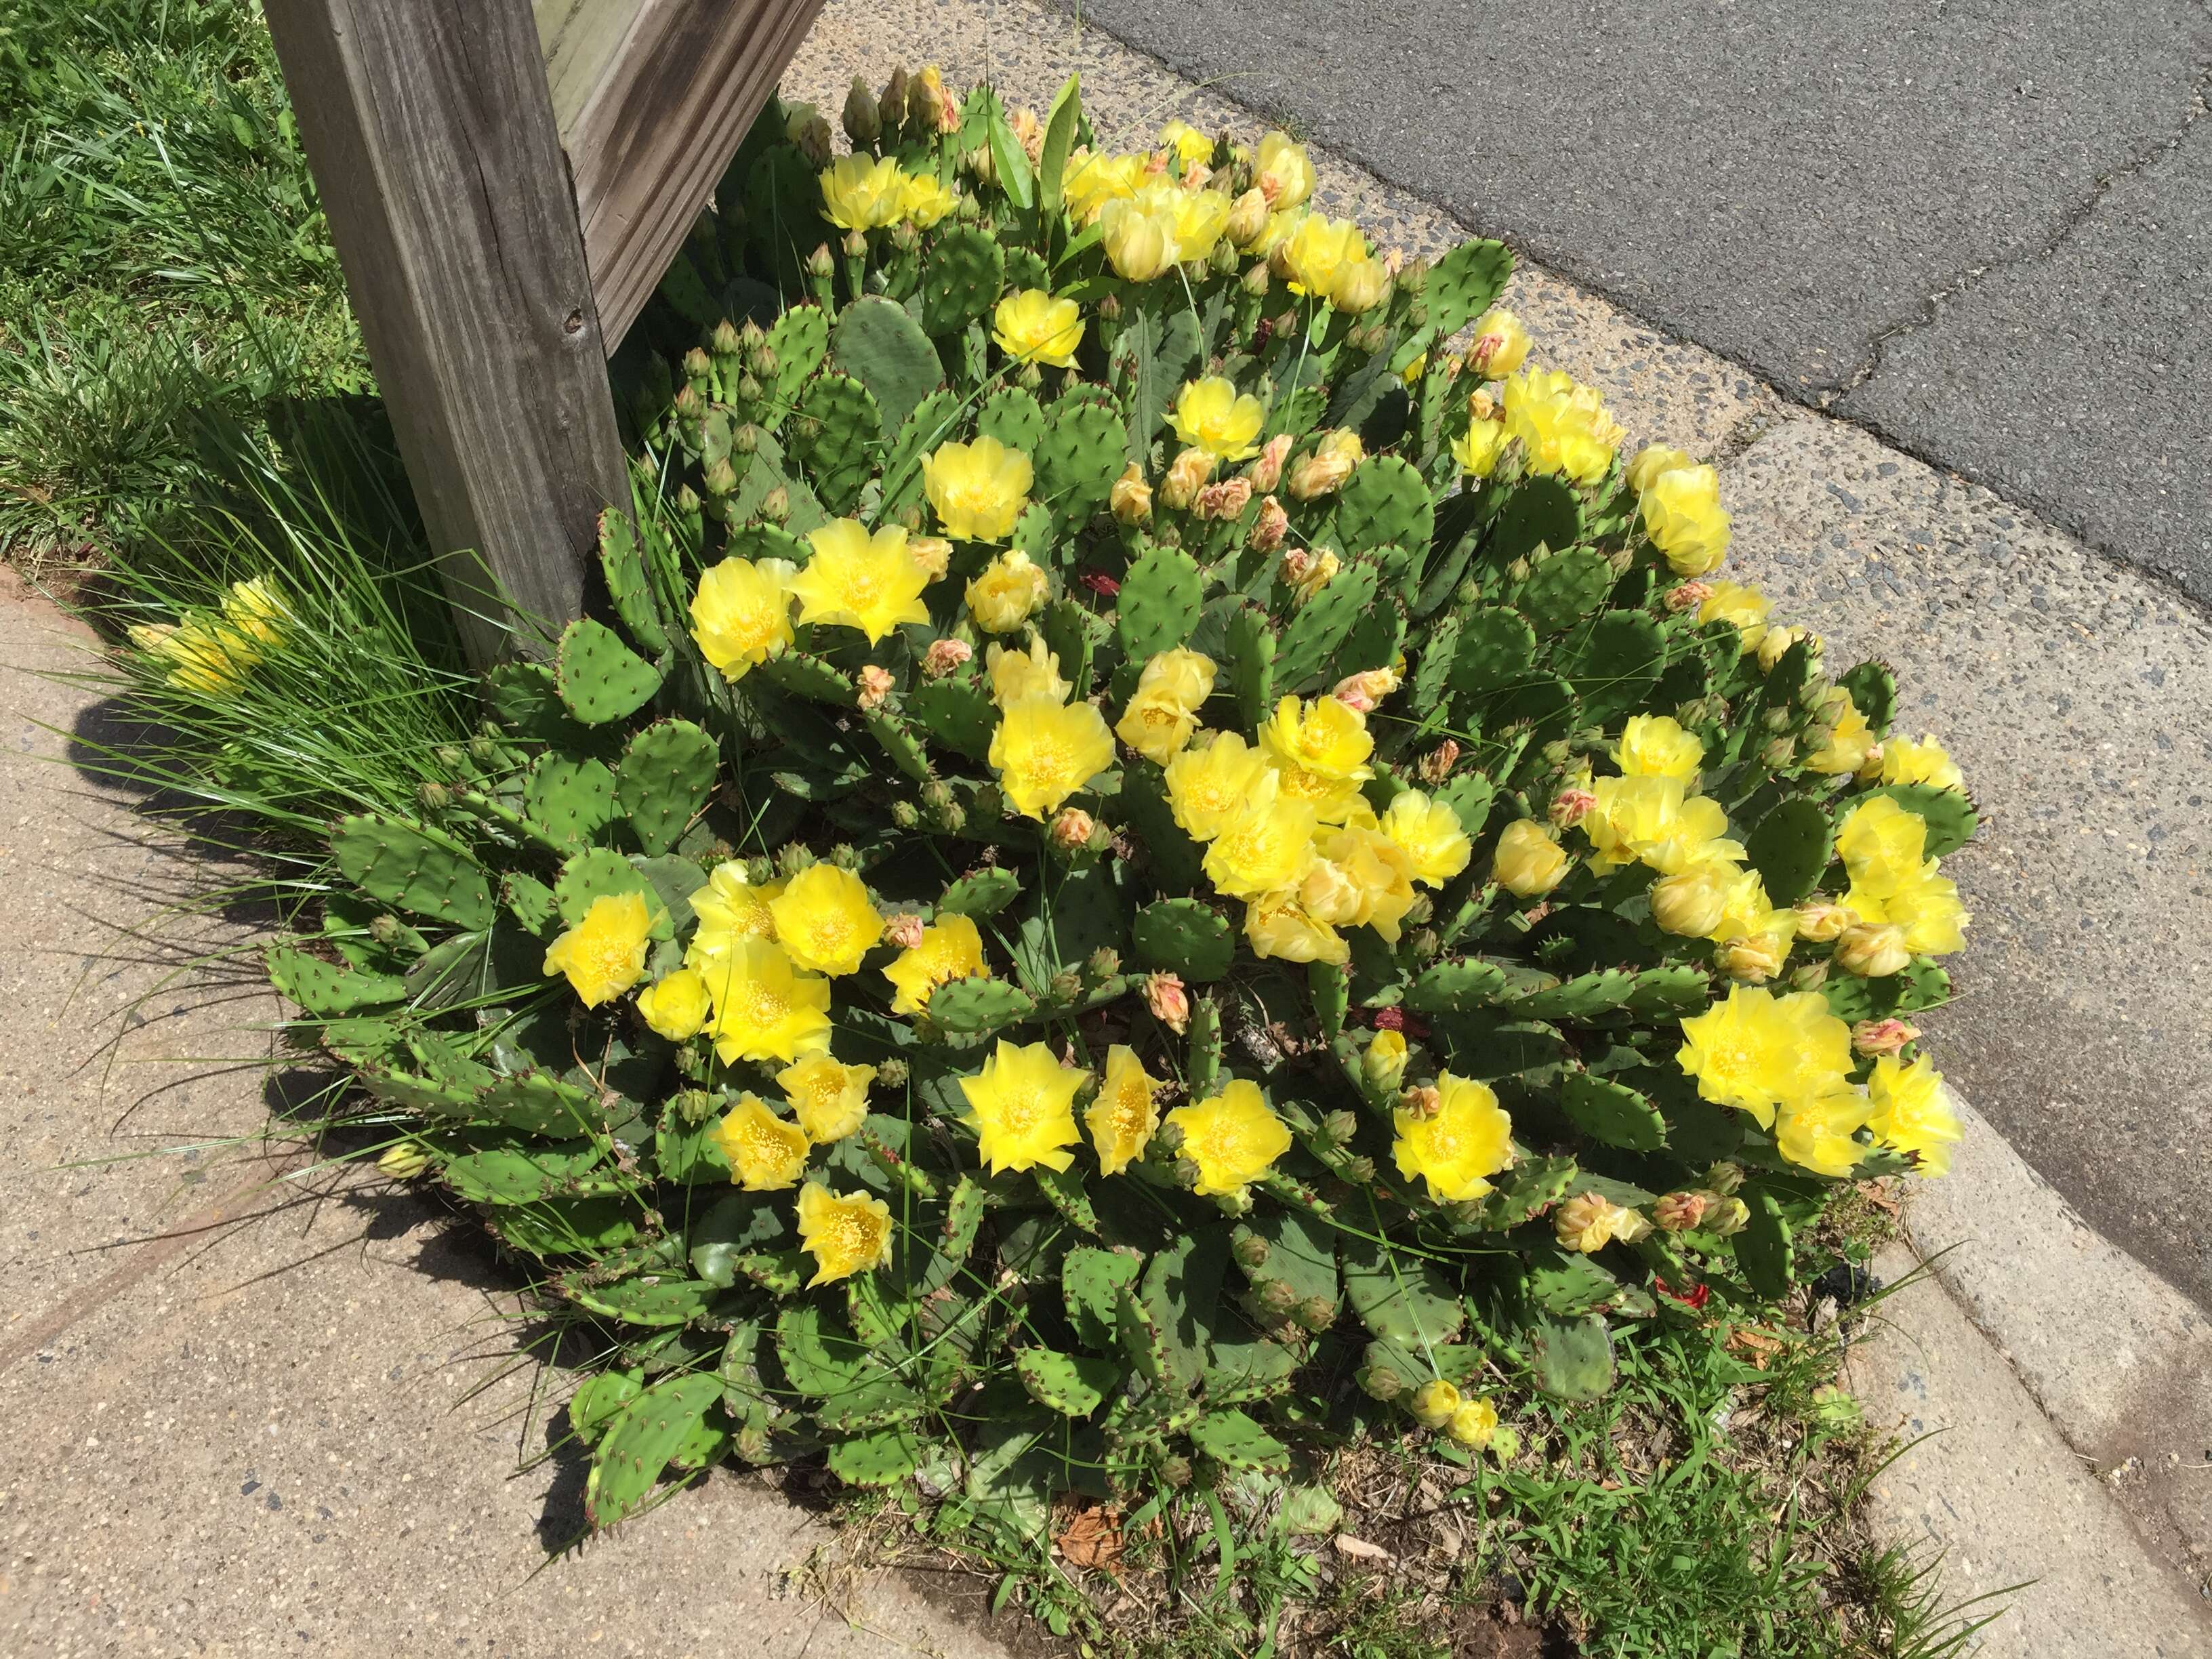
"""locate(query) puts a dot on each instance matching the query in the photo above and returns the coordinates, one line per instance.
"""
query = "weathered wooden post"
(490, 287)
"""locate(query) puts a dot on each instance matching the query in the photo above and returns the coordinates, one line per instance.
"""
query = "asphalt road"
(1984, 230)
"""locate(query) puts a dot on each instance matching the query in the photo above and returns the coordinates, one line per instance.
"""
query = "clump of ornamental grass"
(1162, 857)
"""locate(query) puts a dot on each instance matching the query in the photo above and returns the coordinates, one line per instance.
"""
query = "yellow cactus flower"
(1127, 1112)
(1656, 746)
(201, 654)
(824, 920)
(1210, 783)
(1362, 879)
(1529, 861)
(952, 948)
(1093, 182)
(1691, 903)
(1022, 1108)
(1455, 1151)
(1757, 1051)
(1280, 927)
(1434, 1404)
(1883, 846)
(1912, 1112)
(1384, 1061)
(1213, 415)
(1656, 820)
(676, 1005)
(1431, 835)
(1904, 761)
(858, 580)
(922, 200)
(830, 1098)
(1266, 849)
(1316, 255)
(730, 907)
(1005, 593)
(1850, 741)
(1140, 235)
(1325, 736)
(1018, 674)
(845, 1233)
(1477, 449)
(1650, 461)
(978, 490)
(1683, 515)
(1199, 217)
(765, 1009)
(1924, 907)
(1232, 1137)
(603, 955)
(1501, 344)
(766, 1154)
(256, 610)
(1191, 146)
(1474, 1425)
(1045, 751)
(1283, 172)
(1562, 426)
(1032, 326)
(860, 192)
(1362, 285)
(1741, 604)
(741, 614)
(1815, 1133)
(1162, 711)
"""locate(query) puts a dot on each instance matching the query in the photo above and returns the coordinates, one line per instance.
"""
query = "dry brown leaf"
(1360, 1549)
(1755, 1345)
(1092, 1537)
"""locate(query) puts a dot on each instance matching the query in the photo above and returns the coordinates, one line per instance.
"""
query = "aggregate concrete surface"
(1987, 224)
(250, 1411)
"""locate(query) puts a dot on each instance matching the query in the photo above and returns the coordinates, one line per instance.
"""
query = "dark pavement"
(1982, 230)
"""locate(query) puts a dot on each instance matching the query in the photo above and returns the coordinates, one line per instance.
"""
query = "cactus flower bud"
(1501, 344)
(1774, 644)
(1570, 806)
(1724, 1179)
(404, 1163)
(1434, 1403)
(819, 262)
(1687, 596)
(1381, 1383)
(1226, 498)
(1424, 1103)
(775, 506)
(1317, 1313)
(1266, 469)
(930, 105)
(1323, 471)
(1309, 570)
(1872, 951)
(724, 341)
(1131, 497)
(875, 684)
(697, 366)
(1339, 1126)
(1679, 1212)
(1754, 958)
(1435, 766)
(1174, 1470)
(1247, 219)
(749, 390)
(811, 135)
(1588, 1222)
(1384, 1061)
(944, 656)
(1187, 475)
(1250, 1248)
(436, 797)
(1528, 862)
(1474, 1425)
(1691, 902)
(745, 440)
(890, 108)
(1170, 1003)
(1810, 977)
(1269, 526)
(905, 815)
(863, 118)
(720, 479)
(1274, 1298)
(1256, 281)
(1877, 1037)
(1727, 1218)
(1072, 829)
(388, 932)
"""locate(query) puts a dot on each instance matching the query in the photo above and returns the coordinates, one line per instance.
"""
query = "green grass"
(160, 251)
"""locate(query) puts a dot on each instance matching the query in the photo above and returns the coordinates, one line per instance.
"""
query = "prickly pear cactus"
(1163, 843)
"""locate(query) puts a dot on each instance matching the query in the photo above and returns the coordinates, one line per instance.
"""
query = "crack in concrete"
(1931, 310)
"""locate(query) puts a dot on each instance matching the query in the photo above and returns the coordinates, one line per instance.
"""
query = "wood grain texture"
(672, 103)
(430, 131)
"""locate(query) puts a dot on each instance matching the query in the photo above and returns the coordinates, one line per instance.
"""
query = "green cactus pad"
(1789, 847)
(1184, 937)
(955, 712)
(1310, 642)
(1078, 460)
(1235, 1441)
(1013, 417)
(1385, 503)
(1494, 651)
(900, 740)
(1090, 1281)
(666, 774)
(1583, 997)
(800, 338)
(1611, 1113)
(876, 342)
(1573, 1357)
(523, 1175)
(883, 1458)
(1873, 689)
(597, 873)
(836, 437)
(961, 278)
(1251, 665)
(1301, 1255)
(1613, 663)
(1950, 816)
(321, 987)
(804, 675)
(602, 679)
(1373, 641)
(649, 1299)
(1568, 1285)
(1465, 283)
(599, 1400)
(402, 866)
(1457, 988)
(1763, 1247)
(1676, 988)
(1398, 1296)
(638, 1445)
(1560, 590)
(1073, 635)
(1543, 513)
(982, 892)
(629, 583)
(978, 1007)
(1075, 1385)
(1159, 603)
(1175, 860)
(571, 798)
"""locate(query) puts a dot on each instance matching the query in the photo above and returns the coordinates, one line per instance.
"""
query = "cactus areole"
(1147, 851)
